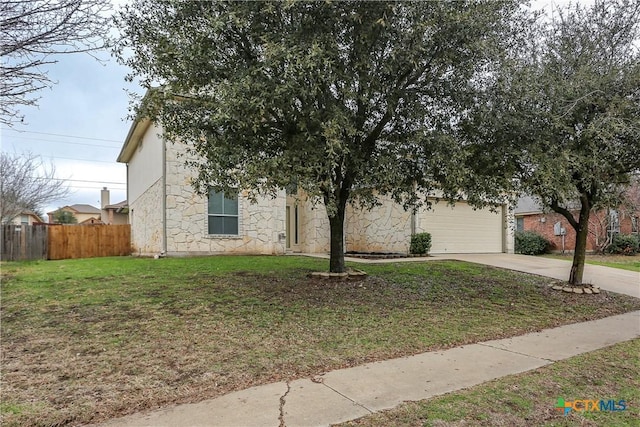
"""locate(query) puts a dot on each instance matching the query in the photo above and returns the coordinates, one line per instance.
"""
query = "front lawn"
(530, 399)
(87, 340)
(615, 261)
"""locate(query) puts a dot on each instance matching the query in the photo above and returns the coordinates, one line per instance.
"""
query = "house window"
(614, 223)
(24, 219)
(222, 213)
(634, 224)
(520, 224)
(295, 224)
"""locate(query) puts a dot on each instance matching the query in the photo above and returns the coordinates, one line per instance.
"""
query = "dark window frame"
(223, 217)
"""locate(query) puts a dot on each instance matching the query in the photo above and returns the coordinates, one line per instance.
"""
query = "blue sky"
(81, 122)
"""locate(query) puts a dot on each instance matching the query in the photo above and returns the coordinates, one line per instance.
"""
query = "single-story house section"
(117, 213)
(26, 217)
(530, 216)
(166, 215)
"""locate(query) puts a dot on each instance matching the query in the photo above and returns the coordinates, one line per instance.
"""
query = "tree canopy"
(64, 217)
(563, 116)
(345, 100)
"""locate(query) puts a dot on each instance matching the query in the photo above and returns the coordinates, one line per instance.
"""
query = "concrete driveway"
(610, 279)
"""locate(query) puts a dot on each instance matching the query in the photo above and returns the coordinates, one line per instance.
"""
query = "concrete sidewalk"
(350, 393)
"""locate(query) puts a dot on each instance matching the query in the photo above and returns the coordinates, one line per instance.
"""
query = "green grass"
(623, 262)
(530, 398)
(87, 340)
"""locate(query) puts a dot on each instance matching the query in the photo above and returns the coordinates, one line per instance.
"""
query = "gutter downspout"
(413, 212)
(164, 196)
(128, 198)
(413, 222)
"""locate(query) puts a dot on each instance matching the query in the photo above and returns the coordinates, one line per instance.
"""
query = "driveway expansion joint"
(283, 401)
(518, 353)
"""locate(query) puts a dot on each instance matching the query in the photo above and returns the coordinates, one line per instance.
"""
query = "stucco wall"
(30, 219)
(145, 166)
(81, 217)
(145, 215)
(110, 216)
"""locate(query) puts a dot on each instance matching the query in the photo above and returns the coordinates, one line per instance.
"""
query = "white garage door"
(460, 229)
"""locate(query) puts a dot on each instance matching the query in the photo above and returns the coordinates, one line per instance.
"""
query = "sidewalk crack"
(283, 401)
(517, 352)
(348, 398)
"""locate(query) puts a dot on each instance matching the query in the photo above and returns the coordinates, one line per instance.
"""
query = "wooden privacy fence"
(55, 241)
(23, 242)
(89, 241)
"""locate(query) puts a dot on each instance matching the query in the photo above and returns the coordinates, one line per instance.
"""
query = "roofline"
(76, 210)
(116, 205)
(527, 213)
(136, 131)
(30, 213)
(134, 136)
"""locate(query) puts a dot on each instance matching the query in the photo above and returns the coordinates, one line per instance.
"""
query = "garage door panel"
(460, 229)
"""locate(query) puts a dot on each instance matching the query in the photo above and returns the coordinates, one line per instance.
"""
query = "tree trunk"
(581, 227)
(336, 226)
(579, 252)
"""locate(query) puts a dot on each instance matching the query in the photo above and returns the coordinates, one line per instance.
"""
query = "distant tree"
(27, 183)
(563, 118)
(345, 100)
(32, 34)
(64, 217)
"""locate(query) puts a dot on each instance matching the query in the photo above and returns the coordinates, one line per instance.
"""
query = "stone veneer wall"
(146, 221)
(508, 232)
(385, 228)
(314, 229)
(261, 225)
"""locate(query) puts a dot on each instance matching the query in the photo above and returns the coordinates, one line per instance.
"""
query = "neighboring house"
(91, 221)
(85, 214)
(113, 214)
(166, 215)
(26, 217)
(530, 216)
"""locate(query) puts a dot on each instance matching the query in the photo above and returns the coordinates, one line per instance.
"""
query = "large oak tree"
(563, 116)
(346, 100)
